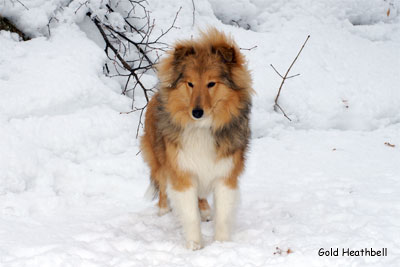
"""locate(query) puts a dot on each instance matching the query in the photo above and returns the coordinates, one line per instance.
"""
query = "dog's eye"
(210, 84)
(190, 84)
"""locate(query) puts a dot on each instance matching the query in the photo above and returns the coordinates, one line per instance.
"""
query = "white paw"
(193, 245)
(222, 235)
(205, 215)
(163, 211)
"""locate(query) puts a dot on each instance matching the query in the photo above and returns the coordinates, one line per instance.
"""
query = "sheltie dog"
(197, 130)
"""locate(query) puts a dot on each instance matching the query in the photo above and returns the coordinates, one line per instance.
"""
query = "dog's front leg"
(185, 203)
(225, 198)
(182, 193)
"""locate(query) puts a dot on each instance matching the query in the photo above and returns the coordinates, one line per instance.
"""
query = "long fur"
(183, 152)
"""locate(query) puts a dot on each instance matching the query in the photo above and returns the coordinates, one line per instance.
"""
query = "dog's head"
(206, 81)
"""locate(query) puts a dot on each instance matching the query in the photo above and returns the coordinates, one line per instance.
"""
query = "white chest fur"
(198, 156)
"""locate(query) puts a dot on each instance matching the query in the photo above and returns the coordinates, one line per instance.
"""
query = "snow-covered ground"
(72, 184)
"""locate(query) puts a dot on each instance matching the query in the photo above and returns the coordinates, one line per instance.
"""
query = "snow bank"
(60, 116)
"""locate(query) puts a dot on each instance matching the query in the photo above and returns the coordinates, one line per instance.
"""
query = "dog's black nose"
(197, 113)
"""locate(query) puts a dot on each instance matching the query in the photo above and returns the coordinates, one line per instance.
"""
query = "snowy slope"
(72, 184)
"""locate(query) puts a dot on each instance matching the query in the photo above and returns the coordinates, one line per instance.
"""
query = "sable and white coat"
(197, 131)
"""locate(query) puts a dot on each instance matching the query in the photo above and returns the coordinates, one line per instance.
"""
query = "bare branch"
(135, 47)
(194, 13)
(293, 76)
(284, 114)
(81, 4)
(171, 27)
(249, 49)
(140, 123)
(276, 71)
(123, 62)
(48, 24)
(22, 4)
(285, 77)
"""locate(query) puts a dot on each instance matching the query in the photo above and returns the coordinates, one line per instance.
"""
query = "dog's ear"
(227, 53)
(182, 51)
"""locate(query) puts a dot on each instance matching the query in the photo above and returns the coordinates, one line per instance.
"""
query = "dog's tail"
(152, 191)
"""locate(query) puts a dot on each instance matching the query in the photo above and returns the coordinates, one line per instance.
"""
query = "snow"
(72, 183)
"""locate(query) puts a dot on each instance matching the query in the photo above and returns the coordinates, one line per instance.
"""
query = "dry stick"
(140, 117)
(109, 33)
(123, 62)
(130, 41)
(126, 84)
(194, 13)
(140, 122)
(81, 5)
(48, 24)
(249, 49)
(171, 27)
(286, 77)
(22, 4)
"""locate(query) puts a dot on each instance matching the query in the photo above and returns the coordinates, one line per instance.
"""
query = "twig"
(132, 49)
(238, 24)
(194, 13)
(140, 122)
(293, 76)
(81, 5)
(22, 4)
(130, 41)
(140, 117)
(249, 49)
(283, 112)
(48, 24)
(285, 77)
(276, 71)
(123, 62)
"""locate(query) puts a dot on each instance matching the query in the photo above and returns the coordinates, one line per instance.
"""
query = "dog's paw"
(222, 236)
(163, 211)
(193, 245)
(205, 215)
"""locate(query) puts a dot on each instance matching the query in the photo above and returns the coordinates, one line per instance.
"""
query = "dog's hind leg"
(205, 211)
(163, 200)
